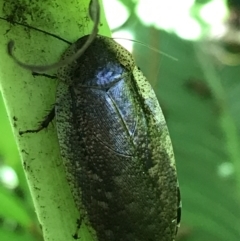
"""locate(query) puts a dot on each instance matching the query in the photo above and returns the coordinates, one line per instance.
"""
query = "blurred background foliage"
(196, 79)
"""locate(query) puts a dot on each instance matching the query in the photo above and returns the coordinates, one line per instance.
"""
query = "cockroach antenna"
(94, 12)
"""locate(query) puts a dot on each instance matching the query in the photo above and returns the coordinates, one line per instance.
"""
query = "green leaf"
(27, 100)
(204, 127)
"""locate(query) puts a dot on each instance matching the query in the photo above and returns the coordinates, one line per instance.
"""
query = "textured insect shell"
(115, 145)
